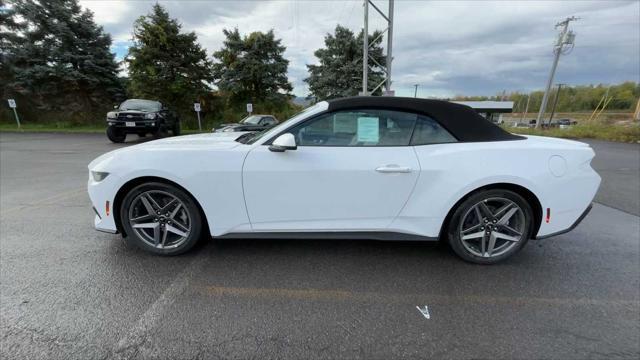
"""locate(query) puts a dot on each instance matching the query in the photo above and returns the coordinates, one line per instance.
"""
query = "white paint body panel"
(247, 188)
(327, 188)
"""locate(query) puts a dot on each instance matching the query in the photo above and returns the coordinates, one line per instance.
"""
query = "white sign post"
(196, 107)
(12, 105)
(249, 108)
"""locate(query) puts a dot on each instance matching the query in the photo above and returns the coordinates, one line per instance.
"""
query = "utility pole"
(526, 108)
(415, 92)
(555, 103)
(565, 37)
(365, 49)
(389, 47)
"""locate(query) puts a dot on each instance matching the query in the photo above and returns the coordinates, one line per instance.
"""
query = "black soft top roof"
(460, 120)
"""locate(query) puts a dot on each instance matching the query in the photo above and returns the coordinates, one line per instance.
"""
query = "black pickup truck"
(142, 117)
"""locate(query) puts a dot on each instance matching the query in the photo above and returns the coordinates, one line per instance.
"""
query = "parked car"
(142, 117)
(566, 123)
(385, 168)
(250, 123)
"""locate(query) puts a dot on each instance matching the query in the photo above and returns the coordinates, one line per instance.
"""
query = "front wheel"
(115, 135)
(161, 218)
(490, 226)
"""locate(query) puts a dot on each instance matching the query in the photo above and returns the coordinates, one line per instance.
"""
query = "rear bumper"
(573, 226)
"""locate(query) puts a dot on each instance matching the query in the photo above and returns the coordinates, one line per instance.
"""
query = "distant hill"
(302, 101)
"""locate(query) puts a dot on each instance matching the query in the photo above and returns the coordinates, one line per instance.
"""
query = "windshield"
(251, 138)
(251, 120)
(142, 105)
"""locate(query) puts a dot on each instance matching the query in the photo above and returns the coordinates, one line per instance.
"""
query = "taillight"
(548, 218)
(107, 208)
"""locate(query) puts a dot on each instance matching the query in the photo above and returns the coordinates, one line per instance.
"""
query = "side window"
(429, 131)
(267, 120)
(357, 128)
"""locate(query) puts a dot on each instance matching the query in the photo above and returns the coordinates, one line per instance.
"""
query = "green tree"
(252, 68)
(55, 55)
(339, 72)
(165, 64)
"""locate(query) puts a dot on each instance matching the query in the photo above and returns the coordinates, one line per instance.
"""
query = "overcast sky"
(447, 47)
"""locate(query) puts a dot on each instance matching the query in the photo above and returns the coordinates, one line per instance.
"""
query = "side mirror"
(283, 142)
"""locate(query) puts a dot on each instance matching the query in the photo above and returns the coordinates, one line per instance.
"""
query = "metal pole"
(526, 108)
(199, 124)
(415, 92)
(555, 103)
(389, 45)
(365, 49)
(17, 117)
(545, 98)
(557, 50)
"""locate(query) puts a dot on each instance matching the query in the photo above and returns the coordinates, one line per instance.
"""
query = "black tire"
(189, 205)
(115, 135)
(176, 128)
(453, 231)
(160, 131)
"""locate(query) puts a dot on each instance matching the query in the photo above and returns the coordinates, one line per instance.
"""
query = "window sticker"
(368, 129)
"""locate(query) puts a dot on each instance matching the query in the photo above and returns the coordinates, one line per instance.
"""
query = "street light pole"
(365, 50)
(389, 46)
(415, 92)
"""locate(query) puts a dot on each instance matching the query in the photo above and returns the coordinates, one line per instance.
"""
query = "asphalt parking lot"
(69, 292)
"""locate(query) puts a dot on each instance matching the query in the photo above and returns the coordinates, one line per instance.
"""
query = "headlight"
(150, 116)
(99, 175)
(112, 115)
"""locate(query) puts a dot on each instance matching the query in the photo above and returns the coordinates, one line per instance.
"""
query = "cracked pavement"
(69, 292)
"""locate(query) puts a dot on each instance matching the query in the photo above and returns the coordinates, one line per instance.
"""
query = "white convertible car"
(385, 168)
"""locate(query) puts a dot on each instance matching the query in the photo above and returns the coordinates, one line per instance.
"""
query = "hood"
(132, 111)
(212, 141)
(198, 139)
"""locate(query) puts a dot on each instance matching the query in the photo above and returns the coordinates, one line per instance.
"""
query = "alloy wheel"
(492, 227)
(160, 219)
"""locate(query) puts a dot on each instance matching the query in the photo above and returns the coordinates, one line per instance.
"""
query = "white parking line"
(128, 346)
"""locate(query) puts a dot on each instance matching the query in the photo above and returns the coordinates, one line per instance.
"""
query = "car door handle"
(387, 169)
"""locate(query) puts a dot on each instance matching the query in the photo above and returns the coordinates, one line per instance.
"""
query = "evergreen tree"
(165, 64)
(252, 68)
(339, 73)
(58, 57)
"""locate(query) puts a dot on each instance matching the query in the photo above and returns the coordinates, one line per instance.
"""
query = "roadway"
(67, 291)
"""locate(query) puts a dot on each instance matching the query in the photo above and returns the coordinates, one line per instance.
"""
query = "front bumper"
(100, 193)
(148, 125)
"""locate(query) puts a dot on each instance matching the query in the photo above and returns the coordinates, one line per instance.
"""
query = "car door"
(352, 170)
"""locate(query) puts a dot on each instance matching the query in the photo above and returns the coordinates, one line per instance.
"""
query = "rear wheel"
(115, 135)
(161, 218)
(490, 226)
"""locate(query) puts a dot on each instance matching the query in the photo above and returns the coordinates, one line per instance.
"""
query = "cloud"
(448, 47)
